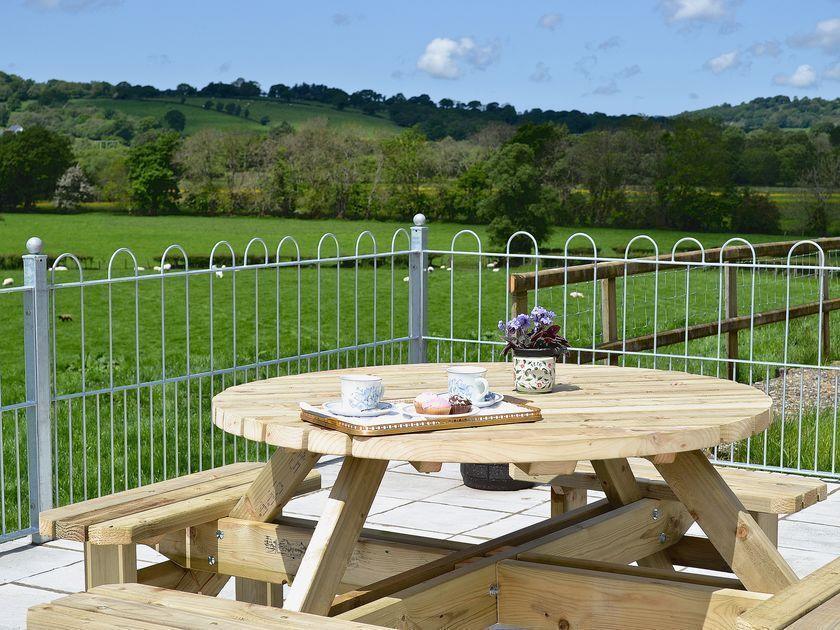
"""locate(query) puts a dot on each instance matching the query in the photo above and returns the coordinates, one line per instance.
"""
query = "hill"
(776, 112)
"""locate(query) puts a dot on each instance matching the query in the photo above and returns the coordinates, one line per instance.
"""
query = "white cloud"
(694, 10)
(826, 36)
(443, 56)
(541, 73)
(770, 48)
(723, 62)
(803, 77)
(586, 64)
(832, 72)
(550, 21)
(71, 6)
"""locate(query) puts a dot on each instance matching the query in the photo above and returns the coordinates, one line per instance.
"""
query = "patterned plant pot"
(533, 371)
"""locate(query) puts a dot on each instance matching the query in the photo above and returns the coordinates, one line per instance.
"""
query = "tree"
(230, 108)
(72, 189)
(821, 181)
(208, 104)
(264, 120)
(153, 175)
(406, 166)
(220, 107)
(517, 199)
(30, 164)
(175, 119)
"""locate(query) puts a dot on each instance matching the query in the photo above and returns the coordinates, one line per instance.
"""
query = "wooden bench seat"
(141, 607)
(764, 494)
(111, 526)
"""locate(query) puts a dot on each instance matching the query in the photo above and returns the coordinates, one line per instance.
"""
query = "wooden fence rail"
(608, 272)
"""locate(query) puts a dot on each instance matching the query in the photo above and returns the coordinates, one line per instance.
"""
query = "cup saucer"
(336, 407)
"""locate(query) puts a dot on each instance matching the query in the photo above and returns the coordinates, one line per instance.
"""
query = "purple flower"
(520, 322)
(542, 316)
(502, 325)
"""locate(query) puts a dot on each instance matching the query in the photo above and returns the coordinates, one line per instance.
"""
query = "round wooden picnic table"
(599, 413)
(595, 412)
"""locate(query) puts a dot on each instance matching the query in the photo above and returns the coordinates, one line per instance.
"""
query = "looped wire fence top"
(595, 412)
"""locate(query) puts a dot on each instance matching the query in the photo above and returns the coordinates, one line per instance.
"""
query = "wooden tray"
(428, 423)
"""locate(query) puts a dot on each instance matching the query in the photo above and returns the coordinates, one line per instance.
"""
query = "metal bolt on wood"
(663, 538)
(219, 534)
(211, 560)
(655, 514)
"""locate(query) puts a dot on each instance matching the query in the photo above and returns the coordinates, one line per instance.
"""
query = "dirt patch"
(802, 387)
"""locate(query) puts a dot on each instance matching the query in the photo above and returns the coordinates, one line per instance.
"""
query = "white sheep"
(167, 267)
(141, 269)
(60, 268)
(405, 279)
(156, 268)
(576, 295)
(430, 269)
(8, 282)
(495, 269)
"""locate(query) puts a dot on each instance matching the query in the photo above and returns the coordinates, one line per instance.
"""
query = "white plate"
(487, 402)
(407, 409)
(335, 407)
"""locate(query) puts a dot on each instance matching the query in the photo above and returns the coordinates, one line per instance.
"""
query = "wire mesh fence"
(132, 356)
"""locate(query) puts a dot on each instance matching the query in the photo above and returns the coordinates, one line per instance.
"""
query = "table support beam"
(733, 532)
(335, 536)
(620, 486)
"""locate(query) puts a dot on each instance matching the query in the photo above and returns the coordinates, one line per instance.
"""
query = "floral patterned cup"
(468, 381)
(533, 373)
(361, 392)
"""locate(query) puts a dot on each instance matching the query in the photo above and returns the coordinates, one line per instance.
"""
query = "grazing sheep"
(65, 317)
(141, 269)
(576, 295)
(60, 268)
(156, 268)
(8, 282)
(430, 269)
(495, 269)
(405, 279)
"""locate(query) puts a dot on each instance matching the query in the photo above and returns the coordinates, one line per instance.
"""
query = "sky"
(614, 56)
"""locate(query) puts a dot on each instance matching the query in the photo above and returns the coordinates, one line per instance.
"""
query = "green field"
(296, 114)
(126, 431)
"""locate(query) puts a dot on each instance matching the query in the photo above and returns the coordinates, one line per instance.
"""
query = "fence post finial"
(34, 245)
(419, 219)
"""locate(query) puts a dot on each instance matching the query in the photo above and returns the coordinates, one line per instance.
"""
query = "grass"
(296, 114)
(107, 440)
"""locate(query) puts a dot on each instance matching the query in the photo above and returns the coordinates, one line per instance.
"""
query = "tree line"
(693, 175)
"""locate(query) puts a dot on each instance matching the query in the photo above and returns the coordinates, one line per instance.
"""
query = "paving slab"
(69, 579)
(810, 536)
(31, 559)
(447, 471)
(823, 513)
(312, 504)
(503, 526)
(435, 517)
(502, 501)
(805, 562)
(414, 487)
(17, 600)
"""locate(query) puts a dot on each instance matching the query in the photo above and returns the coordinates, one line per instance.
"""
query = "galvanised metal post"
(418, 294)
(36, 343)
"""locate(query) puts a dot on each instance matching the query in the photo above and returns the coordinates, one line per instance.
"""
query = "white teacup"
(361, 392)
(468, 381)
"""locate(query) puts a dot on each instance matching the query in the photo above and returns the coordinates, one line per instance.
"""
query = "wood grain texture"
(538, 596)
(141, 607)
(825, 617)
(796, 601)
(732, 530)
(759, 491)
(259, 592)
(110, 564)
(70, 521)
(172, 576)
(336, 535)
(620, 487)
(597, 412)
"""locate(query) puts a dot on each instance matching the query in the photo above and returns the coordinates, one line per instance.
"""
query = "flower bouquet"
(536, 344)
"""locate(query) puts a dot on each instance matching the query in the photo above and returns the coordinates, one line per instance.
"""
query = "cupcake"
(431, 404)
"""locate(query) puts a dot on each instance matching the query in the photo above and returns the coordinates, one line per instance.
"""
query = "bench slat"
(149, 523)
(49, 519)
(124, 605)
(759, 491)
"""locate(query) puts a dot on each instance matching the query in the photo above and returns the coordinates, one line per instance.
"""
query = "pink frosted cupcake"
(429, 403)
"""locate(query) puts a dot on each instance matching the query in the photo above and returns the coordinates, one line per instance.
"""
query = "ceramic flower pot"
(533, 371)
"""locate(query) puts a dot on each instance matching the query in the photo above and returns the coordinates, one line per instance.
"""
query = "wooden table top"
(595, 412)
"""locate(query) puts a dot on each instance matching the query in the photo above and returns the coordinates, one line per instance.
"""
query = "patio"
(434, 504)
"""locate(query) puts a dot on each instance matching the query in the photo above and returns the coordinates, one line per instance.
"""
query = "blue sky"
(630, 56)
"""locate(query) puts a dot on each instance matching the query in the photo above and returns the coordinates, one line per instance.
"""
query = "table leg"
(620, 486)
(275, 485)
(730, 528)
(110, 564)
(335, 536)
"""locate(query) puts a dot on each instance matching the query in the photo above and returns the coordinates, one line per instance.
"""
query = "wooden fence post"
(519, 303)
(731, 292)
(826, 322)
(609, 315)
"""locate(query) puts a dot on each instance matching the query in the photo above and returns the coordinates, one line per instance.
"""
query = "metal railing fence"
(106, 375)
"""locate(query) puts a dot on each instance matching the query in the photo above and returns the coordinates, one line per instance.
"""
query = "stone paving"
(436, 504)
